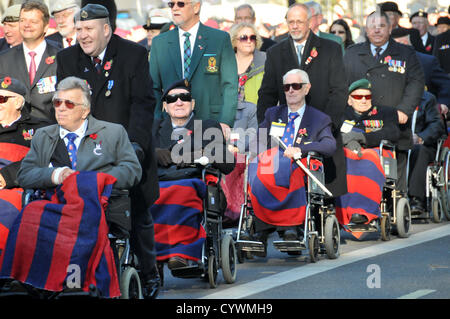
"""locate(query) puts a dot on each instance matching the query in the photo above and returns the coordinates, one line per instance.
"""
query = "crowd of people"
(86, 99)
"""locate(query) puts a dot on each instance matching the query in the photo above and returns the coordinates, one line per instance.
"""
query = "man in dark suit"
(204, 57)
(322, 60)
(33, 62)
(117, 73)
(10, 21)
(419, 21)
(442, 50)
(395, 74)
(63, 12)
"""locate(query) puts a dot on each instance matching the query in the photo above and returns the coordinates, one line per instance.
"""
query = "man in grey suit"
(33, 62)
(78, 142)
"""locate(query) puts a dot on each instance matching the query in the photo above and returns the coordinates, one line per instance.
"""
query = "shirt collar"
(80, 131)
(300, 111)
(10, 124)
(383, 48)
(192, 31)
(40, 49)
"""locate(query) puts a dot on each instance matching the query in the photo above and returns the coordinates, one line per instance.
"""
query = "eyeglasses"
(335, 32)
(4, 98)
(180, 4)
(360, 96)
(69, 104)
(185, 97)
(245, 38)
(295, 86)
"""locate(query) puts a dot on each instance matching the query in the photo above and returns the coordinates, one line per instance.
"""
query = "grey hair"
(316, 7)
(71, 83)
(245, 6)
(301, 5)
(303, 75)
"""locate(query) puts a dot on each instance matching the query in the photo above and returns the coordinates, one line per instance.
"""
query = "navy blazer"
(317, 125)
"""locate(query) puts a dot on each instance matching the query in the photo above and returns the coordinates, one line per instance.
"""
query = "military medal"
(110, 85)
(106, 73)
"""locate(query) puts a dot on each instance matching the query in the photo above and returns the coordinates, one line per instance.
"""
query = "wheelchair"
(436, 187)
(218, 251)
(321, 231)
(119, 223)
(395, 210)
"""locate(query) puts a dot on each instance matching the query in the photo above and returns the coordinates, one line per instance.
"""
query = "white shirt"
(425, 38)
(81, 131)
(298, 120)
(193, 35)
(39, 50)
(383, 48)
(73, 42)
(101, 56)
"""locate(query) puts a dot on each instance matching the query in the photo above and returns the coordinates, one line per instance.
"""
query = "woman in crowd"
(340, 28)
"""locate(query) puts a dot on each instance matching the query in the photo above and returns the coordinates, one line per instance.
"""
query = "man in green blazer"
(204, 57)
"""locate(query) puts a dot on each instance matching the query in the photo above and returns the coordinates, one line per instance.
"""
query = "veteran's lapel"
(173, 49)
(304, 129)
(199, 50)
(21, 65)
(310, 52)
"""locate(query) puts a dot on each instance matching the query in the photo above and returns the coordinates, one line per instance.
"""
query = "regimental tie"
(72, 149)
(289, 131)
(377, 53)
(97, 64)
(187, 54)
(69, 41)
(299, 53)
(32, 70)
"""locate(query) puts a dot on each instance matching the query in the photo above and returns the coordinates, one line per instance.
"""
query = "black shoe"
(358, 219)
(150, 288)
(290, 235)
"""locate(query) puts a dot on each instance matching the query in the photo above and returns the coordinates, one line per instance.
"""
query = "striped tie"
(187, 54)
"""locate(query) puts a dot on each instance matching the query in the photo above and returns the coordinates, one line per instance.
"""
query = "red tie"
(69, 41)
(32, 71)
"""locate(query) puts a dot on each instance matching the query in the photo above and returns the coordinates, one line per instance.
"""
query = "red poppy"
(314, 53)
(7, 80)
(93, 136)
(50, 60)
(428, 48)
(242, 80)
(302, 132)
(107, 66)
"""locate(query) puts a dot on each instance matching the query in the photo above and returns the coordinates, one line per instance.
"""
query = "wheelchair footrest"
(291, 245)
(250, 246)
(366, 228)
(193, 271)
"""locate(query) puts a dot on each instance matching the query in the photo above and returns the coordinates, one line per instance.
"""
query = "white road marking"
(285, 277)
(417, 294)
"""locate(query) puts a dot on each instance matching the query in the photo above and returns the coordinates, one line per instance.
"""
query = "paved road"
(415, 267)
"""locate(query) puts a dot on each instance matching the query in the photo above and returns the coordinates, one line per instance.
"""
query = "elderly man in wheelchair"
(277, 184)
(61, 241)
(192, 155)
(364, 127)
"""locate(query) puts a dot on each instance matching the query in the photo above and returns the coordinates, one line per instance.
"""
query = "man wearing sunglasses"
(116, 71)
(396, 76)
(204, 57)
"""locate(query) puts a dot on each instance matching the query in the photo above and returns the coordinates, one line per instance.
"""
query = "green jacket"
(332, 37)
(213, 72)
(255, 76)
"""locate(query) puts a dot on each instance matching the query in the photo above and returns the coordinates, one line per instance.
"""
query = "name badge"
(46, 85)
(347, 126)
(234, 136)
(277, 129)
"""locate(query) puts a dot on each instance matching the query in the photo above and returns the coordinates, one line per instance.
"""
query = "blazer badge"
(212, 67)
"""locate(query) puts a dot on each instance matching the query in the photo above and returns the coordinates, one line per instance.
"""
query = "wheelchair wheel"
(212, 271)
(445, 191)
(314, 247)
(385, 228)
(403, 216)
(228, 257)
(436, 210)
(332, 237)
(130, 284)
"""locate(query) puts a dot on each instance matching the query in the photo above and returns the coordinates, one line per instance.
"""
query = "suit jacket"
(110, 151)
(317, 124)
(121, 94)
(57, 39)
(326, 73)
(40, 92)
(429, 44)
(213, 72)
(4, 45)
(429, 124)
(195, 131)
(441, 50)
(401, 89)
(436, 80)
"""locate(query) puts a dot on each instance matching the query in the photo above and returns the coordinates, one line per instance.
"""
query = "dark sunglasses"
(4, 98)
(359, 96)
(69, 104)
(295, 86)
(185, 97)
(340, 32)
(245, 38)
(180, 4)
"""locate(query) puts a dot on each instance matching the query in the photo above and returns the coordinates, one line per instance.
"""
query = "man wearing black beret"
(419, 21)
(117, 73)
